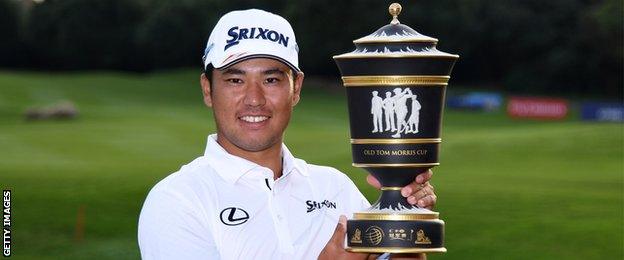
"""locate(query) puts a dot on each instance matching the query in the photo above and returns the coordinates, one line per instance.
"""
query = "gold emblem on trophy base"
(400, 234)
(357, 236)
(374, 235)
(421, 239)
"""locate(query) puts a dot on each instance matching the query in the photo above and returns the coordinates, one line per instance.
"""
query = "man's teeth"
(254, 119)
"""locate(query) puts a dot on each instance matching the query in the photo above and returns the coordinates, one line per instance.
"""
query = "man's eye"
(234, 81)
(271, 80)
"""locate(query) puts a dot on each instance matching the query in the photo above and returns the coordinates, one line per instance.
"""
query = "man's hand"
(334, 250)
(419, 192)
(335, 246)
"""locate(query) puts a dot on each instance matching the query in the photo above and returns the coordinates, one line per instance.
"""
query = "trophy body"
(395, 81)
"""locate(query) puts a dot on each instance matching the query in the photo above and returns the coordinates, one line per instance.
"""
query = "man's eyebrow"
(274, 71)
(233, 71)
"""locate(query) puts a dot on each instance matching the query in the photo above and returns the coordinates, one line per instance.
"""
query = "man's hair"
(208, 72)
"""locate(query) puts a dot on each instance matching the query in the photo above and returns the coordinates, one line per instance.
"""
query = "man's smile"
(254, 119)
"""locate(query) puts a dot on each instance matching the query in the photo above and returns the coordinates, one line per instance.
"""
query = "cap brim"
(253, 56)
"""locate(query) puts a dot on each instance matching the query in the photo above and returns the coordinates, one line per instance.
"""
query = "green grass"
(507, 189)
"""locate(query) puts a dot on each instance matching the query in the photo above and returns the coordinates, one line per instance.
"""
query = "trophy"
(395, 81)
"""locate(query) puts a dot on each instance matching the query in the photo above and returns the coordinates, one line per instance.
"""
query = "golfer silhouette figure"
(376, 110)
(414, 117)
(400, 108)
(388, 106)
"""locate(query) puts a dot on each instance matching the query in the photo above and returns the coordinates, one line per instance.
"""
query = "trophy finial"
(395, 9)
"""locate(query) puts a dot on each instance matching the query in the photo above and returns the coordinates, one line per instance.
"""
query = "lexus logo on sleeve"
(234, 216)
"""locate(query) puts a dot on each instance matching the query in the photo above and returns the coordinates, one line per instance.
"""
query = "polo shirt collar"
(291, 164)
(231, 168)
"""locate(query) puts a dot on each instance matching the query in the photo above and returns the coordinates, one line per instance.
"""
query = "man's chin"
(256, 144)
(254, 147)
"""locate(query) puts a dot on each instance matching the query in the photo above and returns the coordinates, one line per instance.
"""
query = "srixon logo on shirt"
(313, 205)
(239, 34)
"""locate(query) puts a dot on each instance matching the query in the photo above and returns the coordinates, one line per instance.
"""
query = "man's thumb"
(341, 230)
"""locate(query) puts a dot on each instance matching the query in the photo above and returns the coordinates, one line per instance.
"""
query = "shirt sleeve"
(170, 228)
(355, 199)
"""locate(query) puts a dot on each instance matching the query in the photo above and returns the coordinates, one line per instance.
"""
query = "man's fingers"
(424, 177)
(417, 184)
(423, 191)
(428, 201)
(419, 192)
(373, 181)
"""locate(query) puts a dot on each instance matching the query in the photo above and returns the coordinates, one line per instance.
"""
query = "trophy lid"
(395, 40)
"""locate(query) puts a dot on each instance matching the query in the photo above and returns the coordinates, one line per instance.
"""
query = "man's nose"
(254, 95)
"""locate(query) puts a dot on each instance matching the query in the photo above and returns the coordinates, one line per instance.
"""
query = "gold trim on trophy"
(396, 55)
(397, 141)
(386, 216)
(395, 250)
(395, 80)
(364, 165)
(391, 188)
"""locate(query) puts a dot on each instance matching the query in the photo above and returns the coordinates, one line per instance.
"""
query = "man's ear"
(205, 85)
(298, 84)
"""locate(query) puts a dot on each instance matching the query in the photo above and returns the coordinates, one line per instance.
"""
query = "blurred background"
(100, 99)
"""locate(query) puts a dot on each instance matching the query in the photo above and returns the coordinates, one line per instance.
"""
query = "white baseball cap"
(253, 33)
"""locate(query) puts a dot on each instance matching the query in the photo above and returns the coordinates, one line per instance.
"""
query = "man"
(414, 117)
(400, 109)
(388, 105)
(248, 197)
(376, 111)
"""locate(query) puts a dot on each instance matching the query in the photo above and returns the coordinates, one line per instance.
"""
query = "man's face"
(252, 102)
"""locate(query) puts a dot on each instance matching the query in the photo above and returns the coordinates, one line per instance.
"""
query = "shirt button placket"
(280, 225)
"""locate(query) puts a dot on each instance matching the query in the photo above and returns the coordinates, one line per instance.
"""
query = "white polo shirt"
(221, 206)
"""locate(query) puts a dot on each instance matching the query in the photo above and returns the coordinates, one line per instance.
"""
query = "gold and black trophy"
(395, 81)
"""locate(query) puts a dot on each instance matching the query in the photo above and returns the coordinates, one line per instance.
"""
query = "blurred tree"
(327, 28)
(529, 46)
(10, 49)
(600, 47)
(77, 34)
(174, 33)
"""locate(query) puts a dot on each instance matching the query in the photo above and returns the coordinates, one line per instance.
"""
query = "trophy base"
(395, 250)
(381, 232)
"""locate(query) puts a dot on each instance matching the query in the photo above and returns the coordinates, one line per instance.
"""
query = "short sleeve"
(170, 228)
(354, 198)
